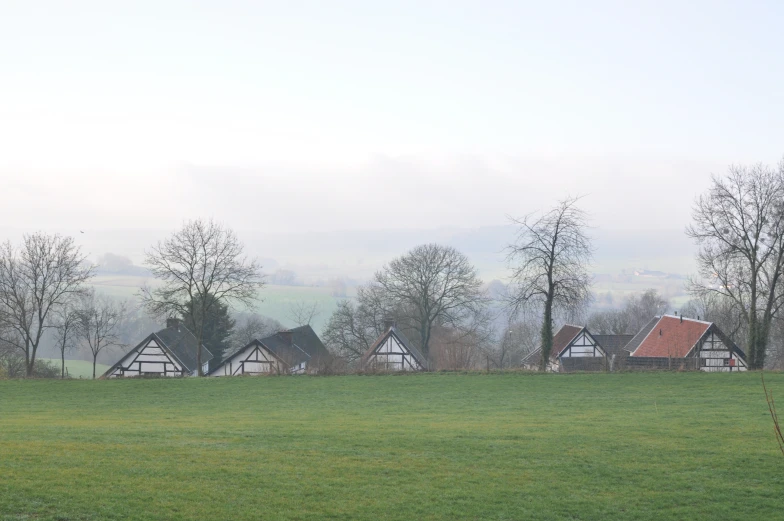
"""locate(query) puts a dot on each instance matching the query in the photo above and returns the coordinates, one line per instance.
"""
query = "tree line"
(432, 292)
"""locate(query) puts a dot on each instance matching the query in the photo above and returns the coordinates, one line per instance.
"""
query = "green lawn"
(79, 368)
(432, 446)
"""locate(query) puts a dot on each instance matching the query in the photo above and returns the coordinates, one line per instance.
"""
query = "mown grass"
(431, 446)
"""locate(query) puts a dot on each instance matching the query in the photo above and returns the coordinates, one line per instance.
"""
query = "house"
(252, 359)
(577, 349)
(297, 350)
(392, 351)
(671, 337)
(168, 352)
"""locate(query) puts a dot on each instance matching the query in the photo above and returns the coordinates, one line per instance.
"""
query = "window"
(727, 362)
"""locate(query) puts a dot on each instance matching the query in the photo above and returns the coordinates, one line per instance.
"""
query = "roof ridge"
(681, 317)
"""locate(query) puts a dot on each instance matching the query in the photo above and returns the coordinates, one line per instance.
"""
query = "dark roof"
(563, 338)
(182, 343)
(393, 330)
(637, 339)
(305, 345)
(612, 344)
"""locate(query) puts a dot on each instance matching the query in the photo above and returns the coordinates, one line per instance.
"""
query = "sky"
(307, 116)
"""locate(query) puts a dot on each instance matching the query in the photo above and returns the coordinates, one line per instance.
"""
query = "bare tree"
(304, 313)
(252, 327)
(518, 338)
(433, 285)
(353, 327)
(739, 227)
(202, 258)
(66, 332)
(636, 311)
(549, 262)
(35, 280)
(98, 325)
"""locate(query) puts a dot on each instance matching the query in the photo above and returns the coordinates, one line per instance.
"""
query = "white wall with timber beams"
(149, 360)
(716, 356)
(582, 346)
(255, 359)
(392, 355)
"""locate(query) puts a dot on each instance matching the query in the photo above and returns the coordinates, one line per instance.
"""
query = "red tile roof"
(671, 337)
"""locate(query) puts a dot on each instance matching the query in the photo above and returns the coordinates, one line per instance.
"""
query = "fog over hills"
(357, 254)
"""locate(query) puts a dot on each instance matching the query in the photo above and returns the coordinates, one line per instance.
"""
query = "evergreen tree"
(218, 327)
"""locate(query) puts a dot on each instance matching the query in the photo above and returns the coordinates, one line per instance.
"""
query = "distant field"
(79, 368)
(274, 301)
(433, 446)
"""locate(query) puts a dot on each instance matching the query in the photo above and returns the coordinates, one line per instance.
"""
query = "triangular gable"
(714, 331)
(151, 355)
(260, 355)
(563, 338)
(400, 346)
(579, 345)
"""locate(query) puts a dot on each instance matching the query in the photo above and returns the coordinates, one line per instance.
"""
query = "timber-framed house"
(165, 353)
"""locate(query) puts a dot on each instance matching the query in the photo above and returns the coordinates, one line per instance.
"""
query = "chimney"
(287, 336)
(681, 318)
(173, 323)
(388, 323)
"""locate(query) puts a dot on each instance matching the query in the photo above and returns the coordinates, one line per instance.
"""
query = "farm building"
(670, 337)
(577, 349)
(393, 352)
(299, 350)
(254, 358)
(168, 352)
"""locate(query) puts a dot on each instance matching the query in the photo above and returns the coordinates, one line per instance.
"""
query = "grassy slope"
(79, 368)
(274, 301)
(435, 446)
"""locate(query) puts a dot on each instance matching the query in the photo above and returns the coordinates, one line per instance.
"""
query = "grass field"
(431, 446)
(79, 368)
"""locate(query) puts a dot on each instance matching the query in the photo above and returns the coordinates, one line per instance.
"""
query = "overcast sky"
(296, 115)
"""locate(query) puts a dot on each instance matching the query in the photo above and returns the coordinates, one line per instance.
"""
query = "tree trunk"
(547, 334)
(95, 357)
(763, 330)
(757, 342)
(200, 339)
(62, 364)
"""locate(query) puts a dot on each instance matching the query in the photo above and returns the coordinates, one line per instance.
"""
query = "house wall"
(150, 360)
(583, 346)
(716, 356)
(392, 355)
(252, 360)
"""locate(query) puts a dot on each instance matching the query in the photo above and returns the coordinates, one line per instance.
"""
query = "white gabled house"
(393, 352)
(253, 359)
(576, 348)
(295, 351)
(569, 341)
(168, 352)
